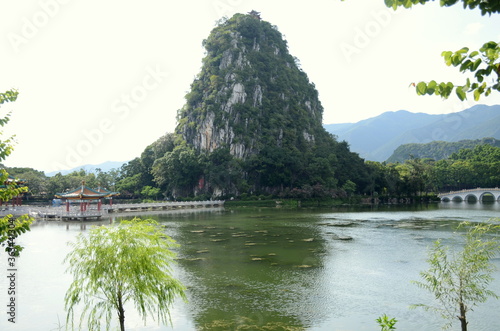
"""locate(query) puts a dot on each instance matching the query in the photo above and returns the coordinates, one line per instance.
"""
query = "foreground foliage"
(485, 6)
(483, 63)
(114, 265)
(460, 280)
(386, 323)
(10, 227)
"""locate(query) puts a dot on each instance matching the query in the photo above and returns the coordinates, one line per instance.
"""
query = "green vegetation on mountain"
(436, 150)
(252, 123)
(248, 92)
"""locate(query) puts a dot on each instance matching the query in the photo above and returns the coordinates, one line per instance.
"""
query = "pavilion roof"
(11, 180)
(106, 191)
(84, 193)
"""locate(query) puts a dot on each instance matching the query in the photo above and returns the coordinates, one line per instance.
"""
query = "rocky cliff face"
(250, 93)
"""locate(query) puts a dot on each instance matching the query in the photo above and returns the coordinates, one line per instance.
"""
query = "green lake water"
(271, 268)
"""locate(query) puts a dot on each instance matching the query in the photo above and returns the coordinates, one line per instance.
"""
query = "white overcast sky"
(101, 80)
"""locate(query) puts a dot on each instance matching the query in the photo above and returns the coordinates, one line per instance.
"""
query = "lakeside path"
(92, 211)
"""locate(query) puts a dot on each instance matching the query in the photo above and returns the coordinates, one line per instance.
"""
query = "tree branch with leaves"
(484, 63)
(10, 227)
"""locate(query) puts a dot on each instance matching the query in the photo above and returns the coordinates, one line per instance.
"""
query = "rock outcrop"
(250, 93)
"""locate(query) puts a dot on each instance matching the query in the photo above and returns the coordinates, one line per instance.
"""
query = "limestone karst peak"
(250, 93)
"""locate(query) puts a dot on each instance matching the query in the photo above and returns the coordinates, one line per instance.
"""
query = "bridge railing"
(479, 189)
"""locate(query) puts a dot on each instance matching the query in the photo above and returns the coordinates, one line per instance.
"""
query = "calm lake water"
(270, 269)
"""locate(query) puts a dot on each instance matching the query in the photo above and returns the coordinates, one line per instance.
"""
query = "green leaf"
(421, 88)
(460, 93)
(456, 60)
(473, 54)
(431, 87)
(479, 75)
(447, 57)
(465, 65)
(444, 89)
(477, 94)
(476, 64)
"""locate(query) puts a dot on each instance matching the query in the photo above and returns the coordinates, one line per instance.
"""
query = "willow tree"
(114, 265)
(460, 280)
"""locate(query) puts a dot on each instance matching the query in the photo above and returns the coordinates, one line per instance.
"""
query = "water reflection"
(465, 205)
(256, 270)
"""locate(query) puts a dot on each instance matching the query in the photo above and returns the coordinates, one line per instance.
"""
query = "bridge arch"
(487, 193)
(471, 198)
(457, 198)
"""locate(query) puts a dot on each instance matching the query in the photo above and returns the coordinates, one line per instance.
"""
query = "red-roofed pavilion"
(84, 195)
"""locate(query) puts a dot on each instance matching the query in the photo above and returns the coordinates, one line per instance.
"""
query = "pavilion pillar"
(99, 203)
(67, 205)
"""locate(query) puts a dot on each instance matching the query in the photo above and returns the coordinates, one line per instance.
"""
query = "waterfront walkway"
(92, 212)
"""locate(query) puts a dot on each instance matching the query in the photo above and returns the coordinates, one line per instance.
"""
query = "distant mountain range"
(106, 166)
(378, 137)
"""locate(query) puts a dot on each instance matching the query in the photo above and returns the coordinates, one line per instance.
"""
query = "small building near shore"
(84, 195)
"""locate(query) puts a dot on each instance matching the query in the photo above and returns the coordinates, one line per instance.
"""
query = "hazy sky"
(101, 80)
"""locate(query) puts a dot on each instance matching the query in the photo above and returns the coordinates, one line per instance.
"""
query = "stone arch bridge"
(477, 194)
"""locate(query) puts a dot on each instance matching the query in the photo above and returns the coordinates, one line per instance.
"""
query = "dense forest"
(468, 168)
(436, 150)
